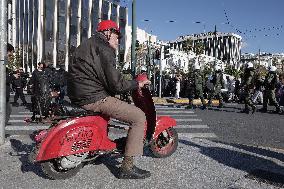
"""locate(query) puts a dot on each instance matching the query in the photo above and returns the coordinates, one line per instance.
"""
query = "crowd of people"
(44, 80)
(252, 88)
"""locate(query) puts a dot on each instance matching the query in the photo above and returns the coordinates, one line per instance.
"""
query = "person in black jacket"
(18, 84)
(92, 83)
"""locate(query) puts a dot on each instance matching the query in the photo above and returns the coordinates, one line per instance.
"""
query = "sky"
(260, 23)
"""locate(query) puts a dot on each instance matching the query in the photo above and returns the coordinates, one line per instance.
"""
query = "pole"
(161, 70)
(134, 36)
(258, 56)
(3, 60)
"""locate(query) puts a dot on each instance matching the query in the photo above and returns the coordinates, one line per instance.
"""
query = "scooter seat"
(70, 110)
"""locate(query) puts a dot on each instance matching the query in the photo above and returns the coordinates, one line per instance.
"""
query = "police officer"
(218, 83)
(270, 82)
(248, 85)
(198, 86)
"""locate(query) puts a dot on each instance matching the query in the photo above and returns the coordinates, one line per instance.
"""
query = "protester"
(248, 85)
(218, 84)
(280, 92)
(270, 82)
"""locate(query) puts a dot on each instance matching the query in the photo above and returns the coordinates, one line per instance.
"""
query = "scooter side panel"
(74, 137)
(162, 123)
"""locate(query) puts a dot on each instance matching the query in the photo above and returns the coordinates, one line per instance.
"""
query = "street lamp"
(148, 59)
(134, 37)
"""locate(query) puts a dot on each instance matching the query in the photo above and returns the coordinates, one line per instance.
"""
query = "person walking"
(198, 87)
(270, 82)
(93, 81)
(218, 84)
(248, 85)
(280, 91)
(177, 79)
(258, 91)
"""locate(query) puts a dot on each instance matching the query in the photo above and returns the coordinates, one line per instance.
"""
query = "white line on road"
(25, 112)
(176, 112)
(178, 115)
(197, 135)
(25, 128)
(188, 120)
(168, 108)
(193, 126)
(26, 116)
(17, 121)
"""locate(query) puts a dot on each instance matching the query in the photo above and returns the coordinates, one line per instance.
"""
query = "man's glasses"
(116, 32)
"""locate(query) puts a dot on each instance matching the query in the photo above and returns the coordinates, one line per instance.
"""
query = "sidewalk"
(185, 101)
(197, 163)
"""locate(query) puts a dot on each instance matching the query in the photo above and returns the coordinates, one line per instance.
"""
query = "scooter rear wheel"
(53, 171)
(165, 144)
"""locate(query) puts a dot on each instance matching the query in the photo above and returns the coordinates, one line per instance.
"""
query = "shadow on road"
(110, 162)
(259, 151)
(258, 168)
(22, 151)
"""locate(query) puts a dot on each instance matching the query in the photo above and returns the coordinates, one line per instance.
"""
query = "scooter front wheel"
(165, 144)
(53, 170)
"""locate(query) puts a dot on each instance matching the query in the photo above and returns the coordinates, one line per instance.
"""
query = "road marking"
(188, 120)
(176, 112)
(25, 112)
(25, 128)
(178, 115)
(197, 135)
(169, 108)
(193, 126)
(17, 115)
(17, 121)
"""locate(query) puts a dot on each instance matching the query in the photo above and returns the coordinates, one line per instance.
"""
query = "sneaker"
(134, 173)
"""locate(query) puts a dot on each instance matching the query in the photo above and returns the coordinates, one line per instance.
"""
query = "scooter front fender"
(75, 136)
(163, 123)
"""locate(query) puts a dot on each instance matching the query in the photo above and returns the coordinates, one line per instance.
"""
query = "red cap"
(141, 77)
(107, 25)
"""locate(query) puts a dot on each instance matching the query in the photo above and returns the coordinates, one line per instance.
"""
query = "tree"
(15, 60)
(197, 48)
(231, 70)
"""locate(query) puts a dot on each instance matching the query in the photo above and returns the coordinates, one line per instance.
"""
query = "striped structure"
(51, 29)
(223, 46)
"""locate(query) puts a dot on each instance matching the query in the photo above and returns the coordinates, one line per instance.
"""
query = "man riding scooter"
(92, 83)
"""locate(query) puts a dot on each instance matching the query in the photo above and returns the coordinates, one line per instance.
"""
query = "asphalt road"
(218, 148)
(258, 129)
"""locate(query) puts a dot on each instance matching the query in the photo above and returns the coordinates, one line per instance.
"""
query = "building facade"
(223, 46)
(50, 30)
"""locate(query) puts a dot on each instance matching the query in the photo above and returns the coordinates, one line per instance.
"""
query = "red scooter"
(79, 136)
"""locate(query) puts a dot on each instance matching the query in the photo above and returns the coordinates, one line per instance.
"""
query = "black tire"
(162, 146)
(51, 170)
